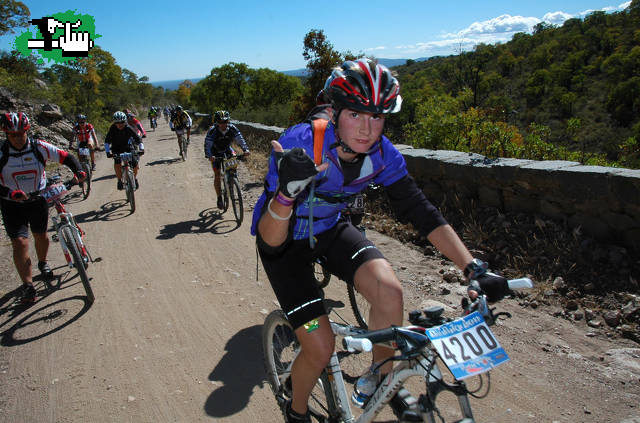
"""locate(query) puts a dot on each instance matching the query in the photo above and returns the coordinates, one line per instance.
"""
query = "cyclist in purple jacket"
(297, 219)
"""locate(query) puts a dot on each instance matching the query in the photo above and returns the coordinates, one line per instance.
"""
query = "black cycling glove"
(483, 281)
(295, 171)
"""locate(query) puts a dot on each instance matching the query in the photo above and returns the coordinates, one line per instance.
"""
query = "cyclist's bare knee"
(317, 341)
(378, 283)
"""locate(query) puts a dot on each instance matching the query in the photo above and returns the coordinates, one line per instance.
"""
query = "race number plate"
(467, 346)
(357, 203)
(83, 151)
(231, 163)
(53, 191)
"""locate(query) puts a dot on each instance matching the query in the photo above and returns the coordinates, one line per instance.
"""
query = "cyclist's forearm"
(72, 163)
(445, 239)
(274, 231)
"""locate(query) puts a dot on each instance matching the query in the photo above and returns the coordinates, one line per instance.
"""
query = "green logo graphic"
(61, 37)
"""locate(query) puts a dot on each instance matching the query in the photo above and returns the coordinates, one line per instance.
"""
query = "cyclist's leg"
(21, 258)
(117, 167)
(38, 216)
(92, 152)
(355, 259)
(216, 178)
(316, 350)
(291, 276)
(16, 225)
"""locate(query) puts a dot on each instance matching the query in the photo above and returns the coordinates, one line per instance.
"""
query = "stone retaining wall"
(603, 201)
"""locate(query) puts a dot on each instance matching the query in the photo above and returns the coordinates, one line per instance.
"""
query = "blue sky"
(167, 40)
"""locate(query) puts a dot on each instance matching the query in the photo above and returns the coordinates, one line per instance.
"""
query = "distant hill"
(387, 62)
(173, 84)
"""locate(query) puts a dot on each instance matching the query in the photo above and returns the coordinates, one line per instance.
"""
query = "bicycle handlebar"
(432, 317)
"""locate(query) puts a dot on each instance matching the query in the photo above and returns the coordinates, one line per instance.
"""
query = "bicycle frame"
(423, 366)
(65, 219)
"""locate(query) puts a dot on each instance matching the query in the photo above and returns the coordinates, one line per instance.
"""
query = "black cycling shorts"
(18, 216)
(132, 163)
(343, 248)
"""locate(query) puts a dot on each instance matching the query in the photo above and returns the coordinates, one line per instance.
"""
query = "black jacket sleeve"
(410, 205)
(72, 163)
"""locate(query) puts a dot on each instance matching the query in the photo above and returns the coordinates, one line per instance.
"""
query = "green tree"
(183, 93)
(13, 14)
(224, 88)
(321, 59)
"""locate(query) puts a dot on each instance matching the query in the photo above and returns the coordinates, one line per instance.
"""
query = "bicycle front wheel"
(183, 147)
(359, 305)
(86, 184)
(280, 348)
(225, 192)
(131, 188)
(72, 243)
(235, 196)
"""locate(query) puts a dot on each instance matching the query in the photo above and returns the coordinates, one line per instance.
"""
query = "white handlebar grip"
(357, 344)
(521, 283)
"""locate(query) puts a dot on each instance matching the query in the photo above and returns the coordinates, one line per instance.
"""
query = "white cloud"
(556, 18)
(496, 30)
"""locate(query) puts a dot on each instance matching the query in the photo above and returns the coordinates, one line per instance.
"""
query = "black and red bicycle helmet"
(15, 122)
(363, 85)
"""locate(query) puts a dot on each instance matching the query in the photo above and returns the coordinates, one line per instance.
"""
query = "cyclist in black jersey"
(218, 141)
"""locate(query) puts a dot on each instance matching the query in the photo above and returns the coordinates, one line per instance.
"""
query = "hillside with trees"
(569, 92)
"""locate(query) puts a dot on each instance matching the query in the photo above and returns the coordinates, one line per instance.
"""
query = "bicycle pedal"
(54, 237)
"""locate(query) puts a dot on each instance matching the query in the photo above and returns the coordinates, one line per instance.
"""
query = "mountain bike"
(465, 346)
(68, 233)
(128, 178)
(231, 186)
(153, 123)
(84, 156)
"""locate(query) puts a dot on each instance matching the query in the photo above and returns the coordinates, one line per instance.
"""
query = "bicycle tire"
(280, 347)
(359, 305)
(183, 148)
(86, 185)
(321, 274)
(235, 196)
(225, 193)
(78, 262)
(131, 188)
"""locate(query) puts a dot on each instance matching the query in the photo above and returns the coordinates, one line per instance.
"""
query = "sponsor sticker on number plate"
(83, 151)
(467, 346)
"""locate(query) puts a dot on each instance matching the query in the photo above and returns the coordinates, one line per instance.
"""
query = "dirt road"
(174, 334)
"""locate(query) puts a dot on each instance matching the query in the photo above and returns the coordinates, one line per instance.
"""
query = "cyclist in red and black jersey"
(85, 135)
(135, 124)
(22, 177)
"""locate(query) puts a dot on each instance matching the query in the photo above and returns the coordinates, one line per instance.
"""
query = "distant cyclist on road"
(85, 136)
(22, 177)
(218, 141)
(180, 122)
(153, 117)
(166, 113)
(121, 138)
